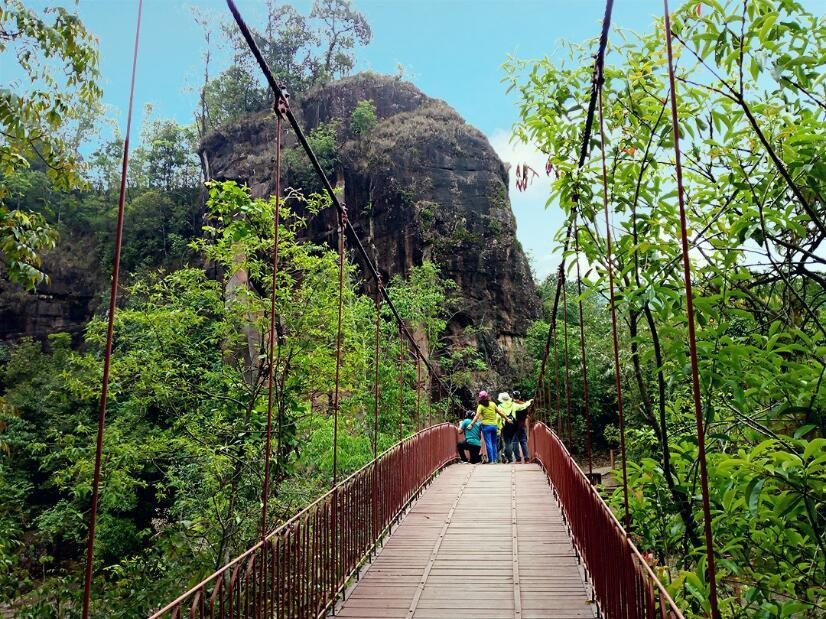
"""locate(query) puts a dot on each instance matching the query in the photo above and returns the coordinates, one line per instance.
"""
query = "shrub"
(363, 118)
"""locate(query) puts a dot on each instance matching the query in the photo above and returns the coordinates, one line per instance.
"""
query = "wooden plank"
(484, 541)
(517, 593)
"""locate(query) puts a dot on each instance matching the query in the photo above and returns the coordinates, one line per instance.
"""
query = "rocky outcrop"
(65, 304)
(420, 185)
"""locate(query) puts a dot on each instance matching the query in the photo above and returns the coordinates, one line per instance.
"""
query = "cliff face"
(420, 185)
(66, 304)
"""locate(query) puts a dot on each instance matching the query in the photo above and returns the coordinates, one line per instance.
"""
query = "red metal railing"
(299, 569)
(624, 584)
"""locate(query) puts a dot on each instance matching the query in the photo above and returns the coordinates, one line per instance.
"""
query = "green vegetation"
(363, 118)
(41, 123)
(301, 50)
(300, 172)
(182, 488)
(751, 102)
(427, 211)
(493, 227)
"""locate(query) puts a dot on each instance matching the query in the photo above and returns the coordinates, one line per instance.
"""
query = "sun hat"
(483, 394)
(504, 397)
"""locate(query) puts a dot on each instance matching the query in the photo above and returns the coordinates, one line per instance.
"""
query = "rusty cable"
(582, 360)
(428, 383)
(565, 361)
(418, 393)
(337, 547)
(110, 332)
(556, 387)
(599, 60)
(614, 336)
(376, 375)
(322, 176)
(401, 383)
(376, 412)
(271, 344)
(692, 337)
(272, 334)
(337, 392)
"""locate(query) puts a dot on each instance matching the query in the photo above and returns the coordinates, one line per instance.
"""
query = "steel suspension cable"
(337, 545)
(599, 61)
(418, 393)
(376, 375)
(428, 384)
(375, 518)
(692, 337)
(272, 345)
(110, 332)
(337, 390)
(614, 337)
(567, 368)
(322, 176)
(556, 387)
(583, 363)
(401, 383)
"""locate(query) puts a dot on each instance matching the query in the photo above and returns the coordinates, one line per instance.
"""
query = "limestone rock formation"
(420, 185)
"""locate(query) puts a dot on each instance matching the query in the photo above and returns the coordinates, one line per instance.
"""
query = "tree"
(57, 77)
(302, 51)
(343, 29)
(751, 108)
(363, 118)
(181, 489)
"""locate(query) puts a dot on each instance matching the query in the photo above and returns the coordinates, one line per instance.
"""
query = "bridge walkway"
(482, 542)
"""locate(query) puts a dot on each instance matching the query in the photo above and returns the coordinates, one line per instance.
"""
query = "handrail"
(624, 584)
(299, 568)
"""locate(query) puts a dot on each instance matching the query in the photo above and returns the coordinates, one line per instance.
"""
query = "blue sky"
(451, 49)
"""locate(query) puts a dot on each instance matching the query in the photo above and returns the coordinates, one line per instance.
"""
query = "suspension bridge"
(414, 534)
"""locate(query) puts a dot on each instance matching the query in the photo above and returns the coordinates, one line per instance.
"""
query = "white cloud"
(536, 225)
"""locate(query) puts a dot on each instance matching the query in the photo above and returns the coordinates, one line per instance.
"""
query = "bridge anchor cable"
(110, 332)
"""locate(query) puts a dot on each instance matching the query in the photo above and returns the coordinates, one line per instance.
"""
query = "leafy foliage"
(57, 77)
(184, 451)
(301, 50)
(363, 118)
(751, 106)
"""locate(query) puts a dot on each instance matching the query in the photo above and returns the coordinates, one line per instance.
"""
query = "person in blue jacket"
(473, 439)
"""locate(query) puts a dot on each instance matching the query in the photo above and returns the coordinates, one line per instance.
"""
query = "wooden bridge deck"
(484, 541)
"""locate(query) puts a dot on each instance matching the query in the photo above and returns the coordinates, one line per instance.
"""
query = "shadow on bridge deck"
(484, 541)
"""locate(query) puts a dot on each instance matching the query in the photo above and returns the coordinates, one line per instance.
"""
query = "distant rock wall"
(65, 304)
(421, 185)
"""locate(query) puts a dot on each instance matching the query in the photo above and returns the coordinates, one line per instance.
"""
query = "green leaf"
(753, 490)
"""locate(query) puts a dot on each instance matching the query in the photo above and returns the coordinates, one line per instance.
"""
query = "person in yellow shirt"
(488, 413)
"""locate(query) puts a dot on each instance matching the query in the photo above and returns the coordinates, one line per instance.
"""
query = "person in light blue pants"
(487, 413)
(491, 436)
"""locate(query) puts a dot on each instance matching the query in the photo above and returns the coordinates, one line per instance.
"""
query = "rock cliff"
(66, 304)
(420, 185)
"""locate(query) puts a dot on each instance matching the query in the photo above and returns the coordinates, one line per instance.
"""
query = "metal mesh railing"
(624, 584)
(299, 569)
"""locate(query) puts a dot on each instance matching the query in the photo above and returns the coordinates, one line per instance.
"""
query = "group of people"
(501, 426)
